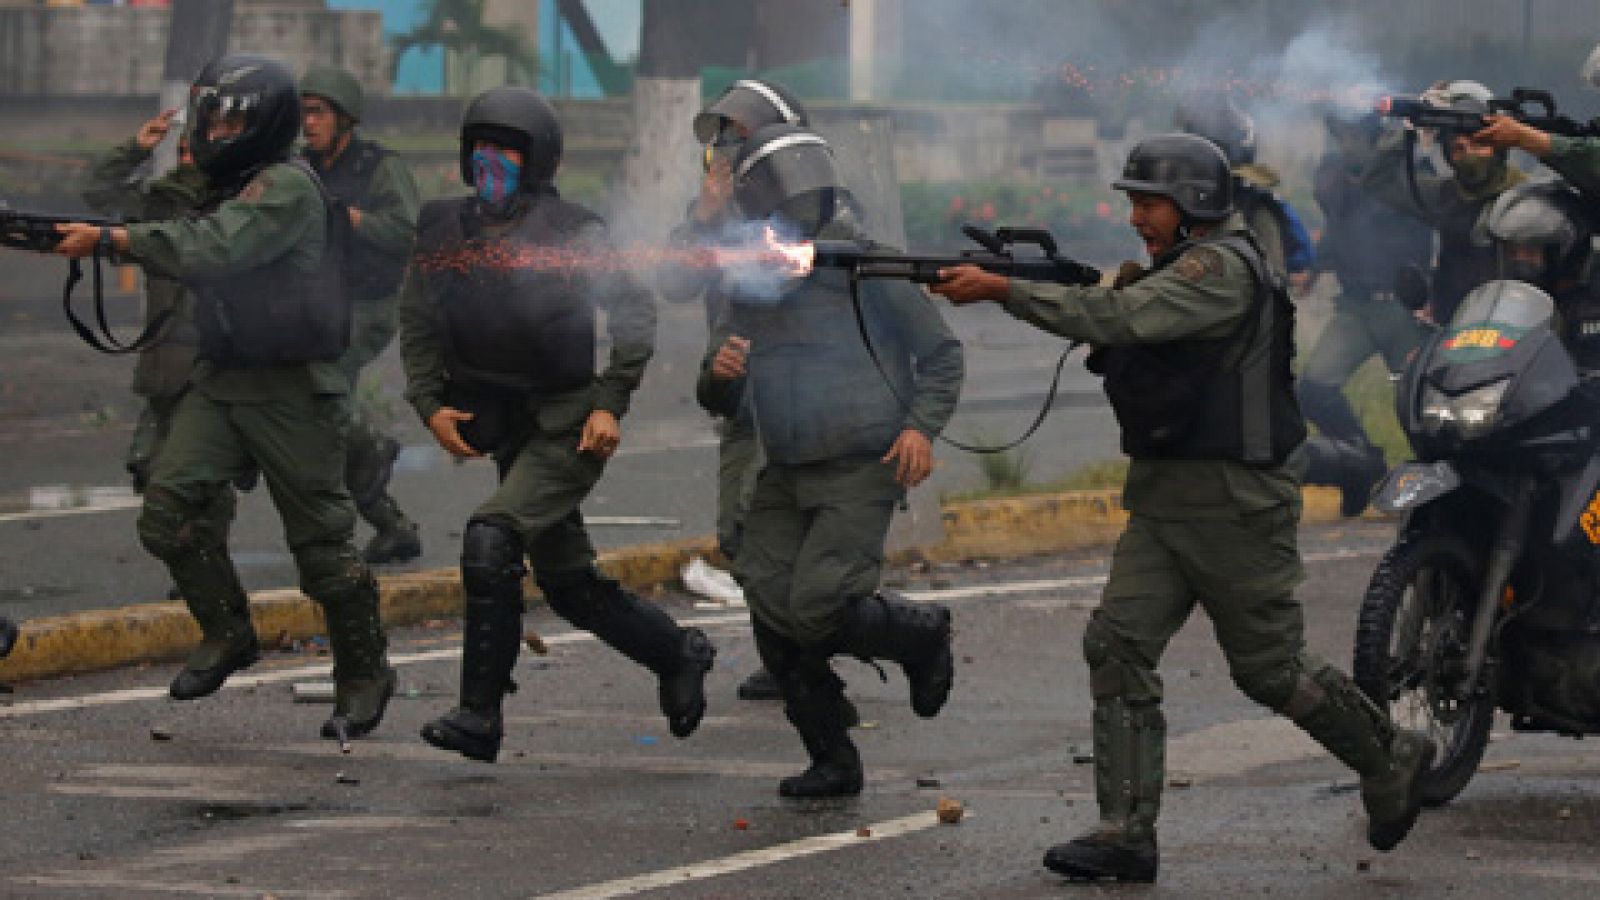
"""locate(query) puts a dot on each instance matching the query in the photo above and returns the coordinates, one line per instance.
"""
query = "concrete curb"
(1004, 528)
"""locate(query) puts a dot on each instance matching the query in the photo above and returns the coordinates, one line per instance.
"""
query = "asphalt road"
(113, 790)
(67, 517)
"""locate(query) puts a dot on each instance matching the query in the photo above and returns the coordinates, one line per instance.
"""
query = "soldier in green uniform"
(1196, 356)
(1452, 205)
(380, 196)
(1278, 231)
(263, 267)
(162, 372)
(845, 435)
(1575, 159)
(498, 332)
(1363, 245)
(723, 127)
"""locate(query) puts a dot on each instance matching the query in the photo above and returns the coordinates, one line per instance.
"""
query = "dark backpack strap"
(1254, 363)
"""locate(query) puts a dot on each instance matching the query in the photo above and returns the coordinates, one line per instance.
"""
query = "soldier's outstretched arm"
(1201, 295)
(265, 221)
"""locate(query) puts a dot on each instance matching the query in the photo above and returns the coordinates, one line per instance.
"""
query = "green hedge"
(1088, 223)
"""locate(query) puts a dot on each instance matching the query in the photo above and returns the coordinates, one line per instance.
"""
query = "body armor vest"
(277, 314)
(522, 328)
(370, 274)
(1229, 398)
(816, 392)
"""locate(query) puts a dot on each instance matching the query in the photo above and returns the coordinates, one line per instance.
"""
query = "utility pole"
(196, 34)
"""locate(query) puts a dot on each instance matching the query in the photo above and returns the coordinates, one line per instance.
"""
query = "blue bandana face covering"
(494, 174)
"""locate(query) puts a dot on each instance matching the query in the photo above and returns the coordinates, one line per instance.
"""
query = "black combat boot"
(1129, 765)
(8, 636)
(759, 685)
(915, 635)
(643, 632)
(1391, 761)
(491, 641)
(1353, 466)
(395, 538)
(221, 608)
(363, 680)
(816, 708)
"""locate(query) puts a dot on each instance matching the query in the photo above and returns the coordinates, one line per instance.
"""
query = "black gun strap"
(1410, 142)
(872, 351)
(105, 341)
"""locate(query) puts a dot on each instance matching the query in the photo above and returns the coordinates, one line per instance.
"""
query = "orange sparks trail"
(793, 260)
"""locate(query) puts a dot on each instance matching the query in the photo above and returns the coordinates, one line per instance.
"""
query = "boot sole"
(472, 747)
(1089, 873)
(367, 726)
(1384, 838)
(233, 666)
(403, 555)
(849, 791)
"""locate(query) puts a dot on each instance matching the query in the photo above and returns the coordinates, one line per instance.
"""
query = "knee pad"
(1113, 670)
(491, 558)
(172, 526)
(329, 573)
(1290, 688)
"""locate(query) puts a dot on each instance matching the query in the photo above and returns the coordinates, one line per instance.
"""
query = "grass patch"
(1371, 393)
(1107, 474)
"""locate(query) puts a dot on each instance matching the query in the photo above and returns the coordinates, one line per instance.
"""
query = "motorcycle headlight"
(1471, 414)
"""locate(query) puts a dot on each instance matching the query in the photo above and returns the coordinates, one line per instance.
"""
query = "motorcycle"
(1490, 597)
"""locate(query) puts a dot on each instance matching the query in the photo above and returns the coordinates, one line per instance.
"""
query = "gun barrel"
(1426, 115)
(925, 269)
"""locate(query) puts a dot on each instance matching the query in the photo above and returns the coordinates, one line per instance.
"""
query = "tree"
(459, 27)
(659, 174)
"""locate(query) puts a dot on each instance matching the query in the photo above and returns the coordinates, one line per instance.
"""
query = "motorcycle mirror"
(1411, 286)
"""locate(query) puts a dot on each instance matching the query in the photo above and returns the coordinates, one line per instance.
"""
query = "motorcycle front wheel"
(1411, 653)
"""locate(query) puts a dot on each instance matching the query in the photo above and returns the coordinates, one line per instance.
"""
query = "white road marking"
(750, 859)
(54, 501)
(131, 695)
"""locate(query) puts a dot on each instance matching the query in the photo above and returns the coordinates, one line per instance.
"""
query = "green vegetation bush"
(1089, 223)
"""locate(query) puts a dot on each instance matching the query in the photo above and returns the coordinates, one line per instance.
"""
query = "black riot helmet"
(787, 171)
(519, 118)
(257, 95)
(1219, 120)
(1540, 231)
(752, 103)
(1186, 168)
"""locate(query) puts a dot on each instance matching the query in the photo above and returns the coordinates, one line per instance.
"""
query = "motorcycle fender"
(1580, 506)
(1413, 485)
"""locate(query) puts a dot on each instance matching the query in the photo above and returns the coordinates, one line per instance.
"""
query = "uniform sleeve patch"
(1199, 264)
(256, 189)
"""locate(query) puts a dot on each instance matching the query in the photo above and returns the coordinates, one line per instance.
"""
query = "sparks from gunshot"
(769, 252)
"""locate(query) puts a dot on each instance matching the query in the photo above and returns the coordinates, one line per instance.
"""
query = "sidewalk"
(1005, 528)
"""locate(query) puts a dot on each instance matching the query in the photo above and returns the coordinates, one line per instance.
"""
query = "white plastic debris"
(313, 691)
(712, 583)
